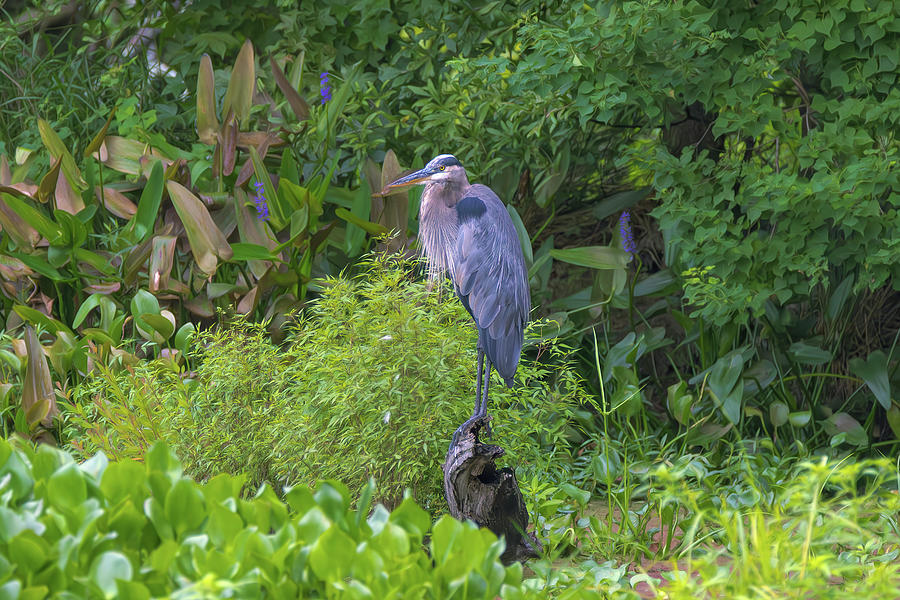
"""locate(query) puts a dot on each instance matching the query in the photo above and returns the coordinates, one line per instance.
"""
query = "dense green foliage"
(369, 384)
(168, 169)
(105, 529)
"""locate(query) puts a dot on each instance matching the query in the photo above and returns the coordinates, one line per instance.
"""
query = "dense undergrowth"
(368, 383)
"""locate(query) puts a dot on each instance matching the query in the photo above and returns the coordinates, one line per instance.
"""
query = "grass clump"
(371, 382)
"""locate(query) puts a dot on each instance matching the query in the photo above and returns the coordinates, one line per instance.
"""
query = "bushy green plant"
(372, 382)
(104, 529)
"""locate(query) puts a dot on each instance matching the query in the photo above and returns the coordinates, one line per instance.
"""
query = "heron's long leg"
(478, 382)
(482, 410)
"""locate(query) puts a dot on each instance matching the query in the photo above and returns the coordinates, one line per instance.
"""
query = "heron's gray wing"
(490, 276)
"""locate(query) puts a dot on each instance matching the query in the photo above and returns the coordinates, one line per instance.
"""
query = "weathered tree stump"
(476, 490)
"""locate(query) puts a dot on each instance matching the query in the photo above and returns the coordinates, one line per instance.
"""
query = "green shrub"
(102, 529)
(372, 383)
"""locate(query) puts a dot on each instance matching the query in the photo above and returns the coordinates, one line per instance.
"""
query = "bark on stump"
(475, 489)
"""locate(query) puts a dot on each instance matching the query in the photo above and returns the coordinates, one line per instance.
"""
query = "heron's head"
(444, 168)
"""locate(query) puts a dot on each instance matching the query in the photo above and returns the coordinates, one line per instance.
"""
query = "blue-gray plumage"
(467, 234)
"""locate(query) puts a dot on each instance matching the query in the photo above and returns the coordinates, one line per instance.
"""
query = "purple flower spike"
(324, 88)
(262, 207)
(625, 233)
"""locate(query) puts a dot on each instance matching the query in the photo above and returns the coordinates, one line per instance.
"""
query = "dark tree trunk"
(475, 489)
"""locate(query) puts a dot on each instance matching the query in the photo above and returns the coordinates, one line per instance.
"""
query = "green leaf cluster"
(130, 529)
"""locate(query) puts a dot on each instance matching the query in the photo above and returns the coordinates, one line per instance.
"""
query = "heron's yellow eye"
(441, 167)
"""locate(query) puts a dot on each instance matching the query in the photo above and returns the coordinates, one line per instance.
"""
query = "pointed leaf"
(38, 398)
(48, 182)
(207, 123)
(101, 135)
(162, 257)
(148, 206)
(594, 257)
(241, 85)
(207, 241)
(58, 151)
(298, 104)
(116, 202)
(24, 235)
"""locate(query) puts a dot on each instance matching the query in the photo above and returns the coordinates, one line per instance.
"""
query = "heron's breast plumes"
(438, 229)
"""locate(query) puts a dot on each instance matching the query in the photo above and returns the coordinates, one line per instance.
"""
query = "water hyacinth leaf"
(38, 397)
(593, 257)
(115, 202)
(296, 101)
(58, 151)
(95, 144)
(778, 413)
(207, 241)
(808, 354)
(207, 122)
(109, 567)
(874, 371)
(239, 95)
(332, 555)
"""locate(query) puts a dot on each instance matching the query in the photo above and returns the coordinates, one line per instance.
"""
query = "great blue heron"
(467, 234)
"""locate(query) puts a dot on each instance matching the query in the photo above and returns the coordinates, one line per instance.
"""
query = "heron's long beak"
(420, 176)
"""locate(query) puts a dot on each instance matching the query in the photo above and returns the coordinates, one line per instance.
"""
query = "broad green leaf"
(207, 241)
(594, 257)
(332, 555)
(123, 479)
(239, 95)
(163, 326)
(148, 206)
(207, 122)
(109, 567)
(874, 371)
(185, 506)
(410, 517)
(38, 318)
(38, 265)
(582, 497)
(66, 488)
(143, 303)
